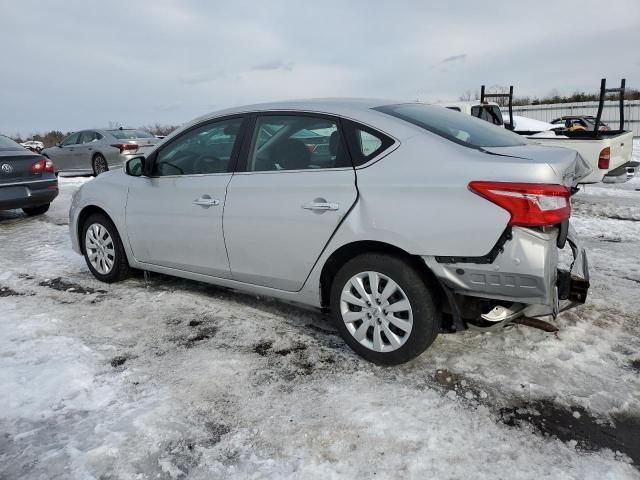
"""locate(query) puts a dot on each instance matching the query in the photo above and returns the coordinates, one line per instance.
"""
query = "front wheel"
(383, 308)
(99, 165)
(103, 249)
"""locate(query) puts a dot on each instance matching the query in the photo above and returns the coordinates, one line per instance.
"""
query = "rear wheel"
(39, 210)
(383, 308)
(103, 249)
(99, 164)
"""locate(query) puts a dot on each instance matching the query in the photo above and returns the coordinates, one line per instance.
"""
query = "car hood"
(568, 164)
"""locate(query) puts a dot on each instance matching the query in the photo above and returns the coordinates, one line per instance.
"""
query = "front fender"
(108, 193)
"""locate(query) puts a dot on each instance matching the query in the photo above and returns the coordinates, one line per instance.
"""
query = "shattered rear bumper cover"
(526, 272)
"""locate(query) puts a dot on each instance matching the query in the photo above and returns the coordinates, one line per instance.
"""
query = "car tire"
(397, 324)
(103, 249)
(99, 164)
(39, 210)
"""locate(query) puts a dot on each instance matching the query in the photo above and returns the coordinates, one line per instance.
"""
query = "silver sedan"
(401, 219)
(96, 151)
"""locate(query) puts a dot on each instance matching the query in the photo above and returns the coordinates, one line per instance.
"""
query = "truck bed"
(590, 145)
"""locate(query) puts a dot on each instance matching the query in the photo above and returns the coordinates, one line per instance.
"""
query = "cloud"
(273, 65)
(455, 58)
(168, 107)
(197, 78)
(170, 61)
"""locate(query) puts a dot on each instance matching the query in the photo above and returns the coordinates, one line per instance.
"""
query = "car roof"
(359, 109)
(333, 106)
(467, 103)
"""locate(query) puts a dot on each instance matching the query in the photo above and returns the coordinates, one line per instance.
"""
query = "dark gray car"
(27, 179)
(96, 151)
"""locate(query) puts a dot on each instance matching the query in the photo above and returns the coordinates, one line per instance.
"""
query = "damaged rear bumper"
(524, 272)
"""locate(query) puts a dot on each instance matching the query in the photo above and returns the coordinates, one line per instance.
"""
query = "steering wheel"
(182, 161)
(208, 164)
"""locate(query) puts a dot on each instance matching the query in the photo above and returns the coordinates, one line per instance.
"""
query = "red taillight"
(530, 204)
(42, 165)
(604, 158)
(125, 146)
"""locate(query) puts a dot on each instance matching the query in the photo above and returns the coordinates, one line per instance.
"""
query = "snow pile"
(524, 124)
(175, 379)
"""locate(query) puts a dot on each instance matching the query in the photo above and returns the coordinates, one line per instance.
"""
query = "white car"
(33, 145)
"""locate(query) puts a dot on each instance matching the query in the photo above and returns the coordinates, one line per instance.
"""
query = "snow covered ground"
(174, 379)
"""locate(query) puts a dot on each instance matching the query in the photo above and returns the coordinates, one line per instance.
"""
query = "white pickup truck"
(607, 152)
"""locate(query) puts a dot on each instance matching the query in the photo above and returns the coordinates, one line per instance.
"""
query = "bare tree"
(502, 101)
(468, 96)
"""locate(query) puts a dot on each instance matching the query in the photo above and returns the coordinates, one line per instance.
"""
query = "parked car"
(413, 211)
(27, 180)
(96, 151)
(33, 145)
(580, 122)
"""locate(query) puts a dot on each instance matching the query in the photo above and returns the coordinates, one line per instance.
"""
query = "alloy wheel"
(99, 248)
(100, 165)
(376, 311)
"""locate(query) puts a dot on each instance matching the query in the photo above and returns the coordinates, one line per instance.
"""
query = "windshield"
(488, 113)
(6, 144)
(454, 126)
(127, 134)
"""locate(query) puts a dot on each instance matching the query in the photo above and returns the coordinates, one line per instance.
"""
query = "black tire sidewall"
(121, 267)
(93, 164)
(426, 314)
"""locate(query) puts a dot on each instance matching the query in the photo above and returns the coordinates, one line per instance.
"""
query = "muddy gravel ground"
(162, 378)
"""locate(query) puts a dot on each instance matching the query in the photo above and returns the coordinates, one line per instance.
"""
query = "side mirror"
(134, 166)
(59, 145)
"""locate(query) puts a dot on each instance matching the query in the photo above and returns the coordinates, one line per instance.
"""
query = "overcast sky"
(82, 63)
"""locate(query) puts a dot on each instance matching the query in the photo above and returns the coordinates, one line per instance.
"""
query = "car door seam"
(224, 238)
(333, 234)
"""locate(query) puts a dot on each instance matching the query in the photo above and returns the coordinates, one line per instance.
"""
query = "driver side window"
(204, 150)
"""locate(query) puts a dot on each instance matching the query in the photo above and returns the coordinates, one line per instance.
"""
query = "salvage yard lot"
(166, 378)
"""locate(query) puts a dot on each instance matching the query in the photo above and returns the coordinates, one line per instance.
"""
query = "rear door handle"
(206, 201)
(320, 206)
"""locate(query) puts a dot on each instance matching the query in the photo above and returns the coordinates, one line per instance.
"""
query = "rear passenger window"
(368, 143)
(489, 113)
(296, 142)
(89, 136)
(365, 143)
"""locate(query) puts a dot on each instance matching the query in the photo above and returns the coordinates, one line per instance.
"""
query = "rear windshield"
(128, 134)
(454, 126)
(488, 113)
(6, 144)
